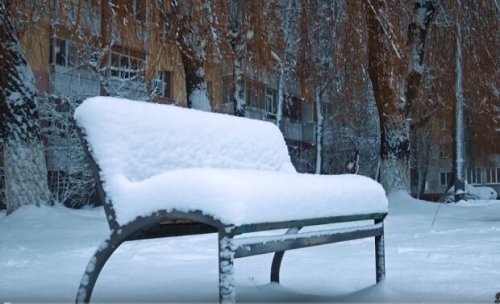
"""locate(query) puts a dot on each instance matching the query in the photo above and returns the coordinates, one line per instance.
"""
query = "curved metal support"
(278, 257)
(124, 233)
(95, 265)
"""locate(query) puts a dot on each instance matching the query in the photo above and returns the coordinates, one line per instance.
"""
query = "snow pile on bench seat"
(248, 196)
(154, 157)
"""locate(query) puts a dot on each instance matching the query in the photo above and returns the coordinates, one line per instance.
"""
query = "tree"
(70, 179)
(319, 22)
(463, 39)
(191, 24)
(237, 40)
(459, 130)
(474, 99)
(248, 27)
(396, 70)
(282, 55)
(25, 168)
(355, 123)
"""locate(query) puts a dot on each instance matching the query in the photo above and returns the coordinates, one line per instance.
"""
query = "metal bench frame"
(167, 224)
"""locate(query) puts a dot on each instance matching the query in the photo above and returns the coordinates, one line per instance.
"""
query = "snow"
(484, 193)
(478, 193)
(236, 170)
(199, 100)
(248, 196)
(44, 252)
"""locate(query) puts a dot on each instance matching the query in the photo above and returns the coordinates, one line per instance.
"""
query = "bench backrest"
(139, 140)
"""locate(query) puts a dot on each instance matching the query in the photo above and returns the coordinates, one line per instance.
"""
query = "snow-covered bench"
(166, 171)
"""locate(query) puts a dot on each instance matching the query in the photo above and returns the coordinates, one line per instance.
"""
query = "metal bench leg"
(380, 254)
(227, 293)
(95, 265)
(278, 257)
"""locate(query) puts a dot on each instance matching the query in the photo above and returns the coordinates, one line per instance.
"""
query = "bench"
(165, 171)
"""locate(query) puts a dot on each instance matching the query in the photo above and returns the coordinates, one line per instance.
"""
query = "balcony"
(309, 132)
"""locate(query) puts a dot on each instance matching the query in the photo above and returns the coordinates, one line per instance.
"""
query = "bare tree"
(70, 178)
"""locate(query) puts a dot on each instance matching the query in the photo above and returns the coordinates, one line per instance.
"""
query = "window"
(125, 66)
(307, 112)
(139, 10)
(251, 94)
(67, 53)
(227, 91)
(166, 79)
(60, 50)
(292, 107)
(444, 125)
(138, 7)
(256, 94)
(493, 176)
(444, 178)
(327, 110)
(445, 150)
(474, 176)
(271, 106)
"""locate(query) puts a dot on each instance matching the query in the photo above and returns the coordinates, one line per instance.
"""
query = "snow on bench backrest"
(140, 140)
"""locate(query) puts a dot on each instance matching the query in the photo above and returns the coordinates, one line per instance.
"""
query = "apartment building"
(146, 66)
(482, 169)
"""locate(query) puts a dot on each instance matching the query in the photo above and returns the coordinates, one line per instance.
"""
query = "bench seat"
(238, 197)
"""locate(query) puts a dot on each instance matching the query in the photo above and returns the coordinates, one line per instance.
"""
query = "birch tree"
(248, 27)
(459, 136)
(318, 53)
(237, 41)
(477, 50)
(25, 168)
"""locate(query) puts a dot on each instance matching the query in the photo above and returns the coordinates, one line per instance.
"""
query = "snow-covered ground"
(44, 251)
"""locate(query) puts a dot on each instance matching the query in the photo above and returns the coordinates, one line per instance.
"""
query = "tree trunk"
(424, 11)
(192, 45)
(422, 158)
(196, 85)
(239, 87)
(383, 63)
(238, 46)
(394, 166)
(459, 138)
(281, 84)
(319, 130)
(25, 168)
(396, 89)
(284, 61)
(104, 43)
(422, 180)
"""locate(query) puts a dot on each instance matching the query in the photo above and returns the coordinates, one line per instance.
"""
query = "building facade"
(146, 66)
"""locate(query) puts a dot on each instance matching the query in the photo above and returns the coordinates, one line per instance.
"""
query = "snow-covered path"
(43, 252)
